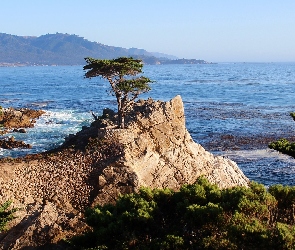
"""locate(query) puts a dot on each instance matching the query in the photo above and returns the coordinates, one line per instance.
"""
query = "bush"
(6, 215)
(199, 216)
(283, 145)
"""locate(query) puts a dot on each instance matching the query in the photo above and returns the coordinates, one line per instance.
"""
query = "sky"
(211, 30)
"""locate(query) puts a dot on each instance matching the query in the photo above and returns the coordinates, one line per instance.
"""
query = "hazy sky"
(213, 30)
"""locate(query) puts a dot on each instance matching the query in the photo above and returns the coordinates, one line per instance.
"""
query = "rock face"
(99, 163)
(159, 152)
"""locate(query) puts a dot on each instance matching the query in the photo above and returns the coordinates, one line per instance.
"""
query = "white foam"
(61, 118)
(258, 154)
(50, 130)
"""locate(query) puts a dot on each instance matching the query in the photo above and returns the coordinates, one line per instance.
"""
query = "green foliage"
(284, 235)
(285, 196)
(120, 73)
(199, 216)
(6, 215)
(283, 146)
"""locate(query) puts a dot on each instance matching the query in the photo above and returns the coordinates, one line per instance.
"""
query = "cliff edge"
(99, 163)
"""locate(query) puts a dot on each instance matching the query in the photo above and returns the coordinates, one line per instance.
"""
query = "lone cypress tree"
(121, 74)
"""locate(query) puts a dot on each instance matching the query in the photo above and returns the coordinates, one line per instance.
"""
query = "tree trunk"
(120, 113)
(122, 121)
(121, 117)
(122, 104)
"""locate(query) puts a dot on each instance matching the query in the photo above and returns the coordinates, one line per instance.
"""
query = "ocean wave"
(39, 104)
(49, 131)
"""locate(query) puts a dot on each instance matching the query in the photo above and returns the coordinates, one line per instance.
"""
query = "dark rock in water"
(11, 143)
(21, 130)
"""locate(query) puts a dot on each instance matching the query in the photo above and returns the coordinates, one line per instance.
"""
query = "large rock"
(158, 151)
(99, 163)
(19, 118)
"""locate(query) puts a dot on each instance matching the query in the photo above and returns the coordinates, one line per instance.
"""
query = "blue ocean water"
(241, 100)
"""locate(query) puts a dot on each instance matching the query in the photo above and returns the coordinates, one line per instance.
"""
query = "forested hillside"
(65, 49)
(58, 49)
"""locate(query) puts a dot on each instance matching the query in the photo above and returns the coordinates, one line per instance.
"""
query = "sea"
(232, 109)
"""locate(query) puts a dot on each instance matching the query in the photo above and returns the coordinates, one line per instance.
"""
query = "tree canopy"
(122, 75)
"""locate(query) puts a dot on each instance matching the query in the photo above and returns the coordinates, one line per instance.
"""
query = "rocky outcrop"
(11, 118)
(159, 152)
(10, 143)
(99, 163)
(16, 120)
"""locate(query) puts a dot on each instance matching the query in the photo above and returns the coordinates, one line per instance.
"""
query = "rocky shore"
(99, 163)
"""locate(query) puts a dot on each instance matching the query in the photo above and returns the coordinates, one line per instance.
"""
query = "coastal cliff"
(101, 162)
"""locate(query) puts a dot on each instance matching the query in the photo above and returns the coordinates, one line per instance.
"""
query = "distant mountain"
(65, 49)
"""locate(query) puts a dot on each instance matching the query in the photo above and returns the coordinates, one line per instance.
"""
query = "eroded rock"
(159, 152)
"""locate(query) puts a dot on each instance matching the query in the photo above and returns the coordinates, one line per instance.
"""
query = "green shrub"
(198, 216)
(285, 196)
(283, 146)
(6, 215)
(284, 236)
